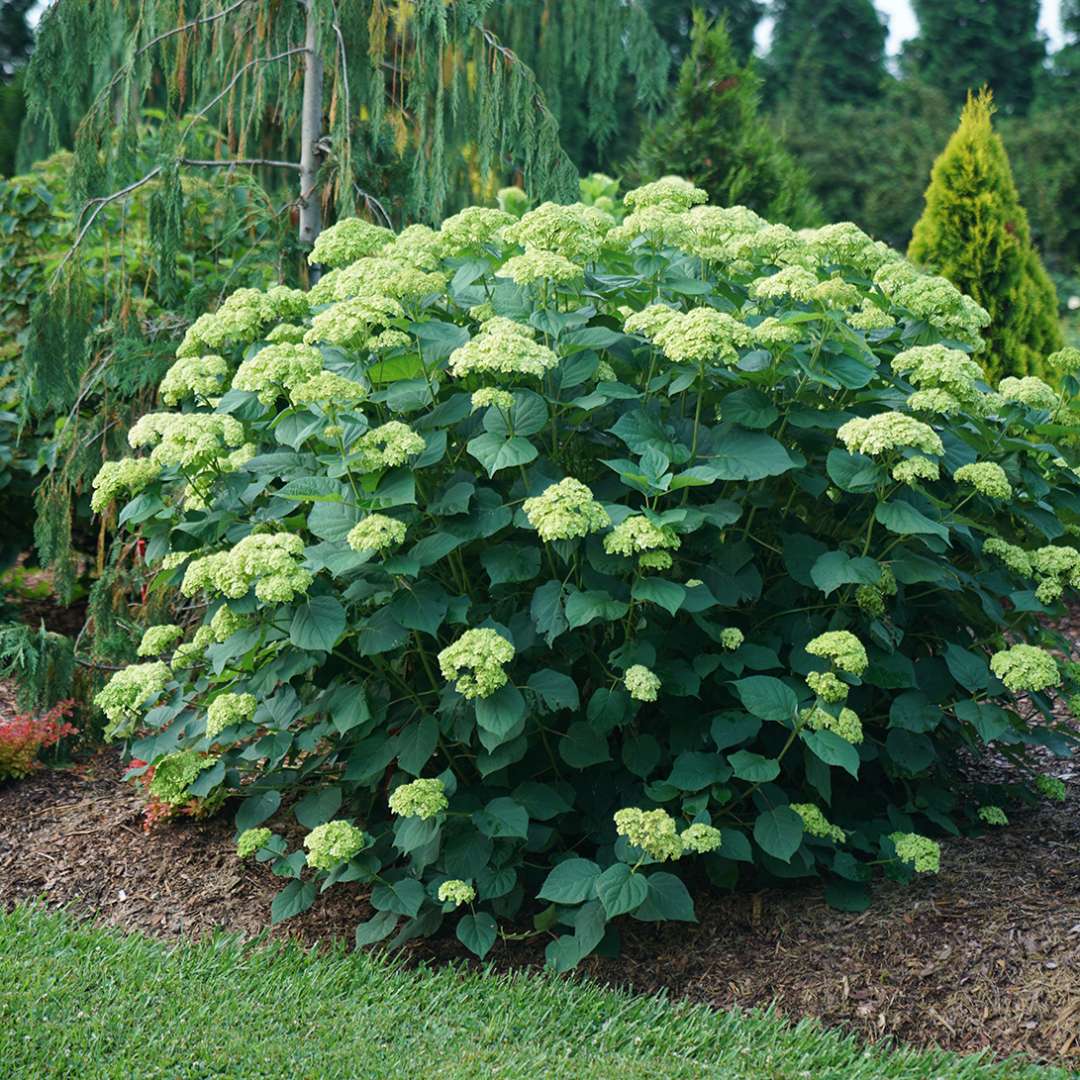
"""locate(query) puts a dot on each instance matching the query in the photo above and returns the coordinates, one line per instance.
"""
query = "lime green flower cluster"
(576, 231)
(376, 532)
(123, 697)
(128, 476)
(240, 319)
(660, 225)
(1030, 391)
(175, 773)
(456, 892)
(350, 323)
(389, 445)
(252, 841)
(228, 710)
(870, 317)
(286, 332)
(476, 661)
(636, 534)
(776, 244)
(702, 335)
(472, 228)
(542, 266)
(420, 798)
(333, 843)
(564, 511)
(669, 192)
(946, 379)
(793, 281)
(419, 245)
(843, 648)
(158, 640)
(816, 824)
(701, 839)
(386, 340)
(828, 686)
(835, 293)
(276, 369)
(847, 724)
(1025, 668)
(186, 439)
(884, 432)
(912, 469)
(1050, 787)
(266, 560)
(731, 638)
(653, 831)
(396, 279)
(1015, 558)
(993, 815)
(193, 651)
(844, 243)
(194, 377)
(488, 395)
(871, 598)
(771, 333)
(327, 388)
(920, 852)
(714, 229)
(502, 348)
(1065, 361)
(643, 684)
(348, 240)
(987, 478)
(934, 299)
(226, 622)
(649, 321)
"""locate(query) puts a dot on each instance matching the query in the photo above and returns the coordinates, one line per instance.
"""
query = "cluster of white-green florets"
(327, 388)
(934, 299)
(946, 379)
(700, 839)
(828, 686)
(843, 648)
(194, 377)
(870, 317)
(792, 281)
(266, 560)
(123, 698)
(420, 798)
(540, 266)
(670, 192)
(274, 370)
(987, 478)
(502, 348)
(158, 640)
(702, 335)
(333, 843)
(576, 231)
(456, 892)
(228, 710)
(252, 841)
(389, 445)
(192, 652)
(846, 723)
(913, 469)
(226, 622)
(377, 279)
(642, 684)
(128, 476)
(186, 439)
(771, 333)
(1025, 668)
(476, 662)
(471, 228)
(816, 824)
(351, 323)
(653, 831)
(348, 240)
(488, 396)
(1014, 557)
(649, 321)
(241, 318)
(376, 532)
(1030, 391)
(565, 510)
(637, 534)
(175, 773)
(993, 815)
(922, 853)
(885, 432)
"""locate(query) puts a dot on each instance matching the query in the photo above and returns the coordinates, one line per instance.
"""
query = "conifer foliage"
(713, 135)
(975, 233)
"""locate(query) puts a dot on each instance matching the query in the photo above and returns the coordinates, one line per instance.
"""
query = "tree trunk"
(310, 132)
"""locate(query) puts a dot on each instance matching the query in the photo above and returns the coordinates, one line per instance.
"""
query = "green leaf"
(912, 752)
(582, 746)
(693, 771)
(377, 928)
(853, 472)
(749, 407)
(547, 612)
(779, 832)
(510, 563)
(477, 933)
(556, 690)
(541, 800)
(495, 452)
(914, 711)
(734, 845)
(732, 728)
(835, 568)
(641, 755)
(422, 607)
(969, 669)
(583, 607)
(754, 767)
(255, 809)
(416, 744)
(317, 624)
(990, 721)
(620, 890)
(570, 882)
(528, 416)
(903, 519)
(318, 807)
(667, 594)
(404, 897)
(313, 489)
(847, 895)
(500, 713)
(503, 817)
(667, 899)
(294, 899)
(828, 747)
(739, 454)
(767, 697)
(608, 709)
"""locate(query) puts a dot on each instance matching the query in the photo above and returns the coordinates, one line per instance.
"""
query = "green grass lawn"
(87, 1003)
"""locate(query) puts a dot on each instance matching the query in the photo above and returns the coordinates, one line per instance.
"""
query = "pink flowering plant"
(549, 563)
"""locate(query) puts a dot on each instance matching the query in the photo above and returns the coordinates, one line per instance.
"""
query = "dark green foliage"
(1061, 84)
(830, 51)
(16, 37)
(673, 20)
(12, 111)
(966, 44)
(41, 663)
(975, 232)
(713, 135)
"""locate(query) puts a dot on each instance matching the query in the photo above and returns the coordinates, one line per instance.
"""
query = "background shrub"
(538, 565)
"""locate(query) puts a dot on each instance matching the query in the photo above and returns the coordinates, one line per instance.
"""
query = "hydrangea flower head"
(389, 445)
(576, 231)
(793, 281)
(157, 640)
(327, 388)
(670, 192)
(564, 511)
(350, 323)
(476, 662)
(175, 773)
(227, 710)
(1015, 558)
(920, 852)
(276, 369)
(662, 227)
(643, 684)
(376, 532)
(993, 815)
(771, 333)
(816, 824)
(472, 227)
(126, 693)
(226, 622)
(421, 798)
(488, 396)
(186, 439)
(1065, 361)
(251, 841)
(499, 350)
(651, 830)
(885, 432)
(847, 724)
(828, 686)
(731, 638)
(843, 648)
(701, 839)
(456, 892)
(870, 317)
(348, 240)
(1030, 391)
(194, 377)
(1025, 668)
(128, 476)
(987, 478)
(912, 469)
(649, 321)
(332, 843)
(536, 265)
(636, 534)
(269, 561)
(701, 335)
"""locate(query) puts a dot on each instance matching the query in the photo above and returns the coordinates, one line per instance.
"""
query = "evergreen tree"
(975, 233)
(16, 37)
(673, 20)
(1061, 85)
(965, 44)
(830, 51)
(713, 135)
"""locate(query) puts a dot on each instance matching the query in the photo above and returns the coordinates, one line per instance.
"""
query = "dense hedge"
(538, 564)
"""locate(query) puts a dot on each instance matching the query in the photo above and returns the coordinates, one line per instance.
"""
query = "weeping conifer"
(975, 233)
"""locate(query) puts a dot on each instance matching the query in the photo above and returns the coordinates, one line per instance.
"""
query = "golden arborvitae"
(975, 233)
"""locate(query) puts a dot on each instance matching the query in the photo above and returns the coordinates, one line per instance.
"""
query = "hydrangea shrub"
(546, 564)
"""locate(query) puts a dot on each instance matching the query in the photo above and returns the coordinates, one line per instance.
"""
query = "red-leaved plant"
(23, 737)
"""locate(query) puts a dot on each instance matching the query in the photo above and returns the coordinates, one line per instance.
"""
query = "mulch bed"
(986, 954)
